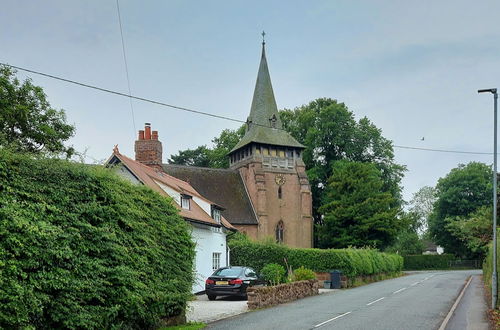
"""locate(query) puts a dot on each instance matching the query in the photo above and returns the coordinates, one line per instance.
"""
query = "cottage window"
(216, 260)
(216, 214)
(186, 202)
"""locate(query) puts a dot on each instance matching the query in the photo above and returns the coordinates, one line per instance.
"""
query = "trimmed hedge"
(428, 261)
(488, 265)
(82, 248)
(352, 262)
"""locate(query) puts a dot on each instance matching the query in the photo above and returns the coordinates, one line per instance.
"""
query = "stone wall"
(259, 297)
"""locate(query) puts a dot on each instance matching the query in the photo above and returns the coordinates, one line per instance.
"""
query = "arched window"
(280, 194)
(280, 232)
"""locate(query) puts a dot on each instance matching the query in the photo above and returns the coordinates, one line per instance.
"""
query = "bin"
(335, 279)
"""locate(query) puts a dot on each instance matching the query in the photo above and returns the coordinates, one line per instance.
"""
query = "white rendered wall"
(207, 242)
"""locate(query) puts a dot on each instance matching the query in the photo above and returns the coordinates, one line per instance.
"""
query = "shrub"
(82, 248)
(302, 273)
(352, 262)
(429, 261)
(274, 274)
(488, 266)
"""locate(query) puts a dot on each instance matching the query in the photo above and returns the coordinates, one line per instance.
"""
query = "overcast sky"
(412, 67)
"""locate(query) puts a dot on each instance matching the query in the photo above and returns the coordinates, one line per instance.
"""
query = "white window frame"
(216, 260)
(185, 202)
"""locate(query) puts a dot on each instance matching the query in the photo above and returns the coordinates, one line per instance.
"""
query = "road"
(416, 301)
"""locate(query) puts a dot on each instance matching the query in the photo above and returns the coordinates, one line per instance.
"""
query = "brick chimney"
(148, 149)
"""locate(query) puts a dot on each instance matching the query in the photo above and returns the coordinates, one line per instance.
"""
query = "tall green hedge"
(352, 262)
(82, 248)
(488, 266)
(429, 261)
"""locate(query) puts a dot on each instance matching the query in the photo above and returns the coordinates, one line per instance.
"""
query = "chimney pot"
(154, 135)
(141, 134)
(147, 132)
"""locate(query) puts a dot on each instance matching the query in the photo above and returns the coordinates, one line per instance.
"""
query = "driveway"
(203, 310)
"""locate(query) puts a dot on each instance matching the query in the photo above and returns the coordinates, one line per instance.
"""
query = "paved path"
(204, 310)
(471, 311)
(417, 301)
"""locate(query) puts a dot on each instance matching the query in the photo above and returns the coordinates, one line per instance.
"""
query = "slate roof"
(263, 109)
(150, 177)
(223, 186)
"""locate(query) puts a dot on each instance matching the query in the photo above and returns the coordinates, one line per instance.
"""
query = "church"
(265, 192)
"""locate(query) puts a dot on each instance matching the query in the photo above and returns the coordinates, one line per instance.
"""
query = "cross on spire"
(263, 37)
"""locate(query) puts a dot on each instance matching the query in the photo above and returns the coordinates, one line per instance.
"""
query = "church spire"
(264, 111)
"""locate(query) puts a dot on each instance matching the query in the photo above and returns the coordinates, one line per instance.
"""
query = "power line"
(126, 65)
(202, 112)
(443, 150)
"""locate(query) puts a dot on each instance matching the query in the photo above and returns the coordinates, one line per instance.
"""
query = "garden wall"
(260, 297)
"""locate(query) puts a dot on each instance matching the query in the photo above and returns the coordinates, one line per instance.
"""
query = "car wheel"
(211, 296)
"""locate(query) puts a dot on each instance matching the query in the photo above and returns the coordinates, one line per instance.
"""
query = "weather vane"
(263, 37)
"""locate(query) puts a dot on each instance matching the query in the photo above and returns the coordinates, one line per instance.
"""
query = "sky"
(412, 67)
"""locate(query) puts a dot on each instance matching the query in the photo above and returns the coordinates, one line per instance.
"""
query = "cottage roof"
(264, 124)
(223, 186)
(151, 177)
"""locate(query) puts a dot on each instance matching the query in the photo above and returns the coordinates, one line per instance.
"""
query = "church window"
(289, 153)
(282, 153)
(257, 150)
(280, 232)
(265, 151)
(280, 193)
(273, 152)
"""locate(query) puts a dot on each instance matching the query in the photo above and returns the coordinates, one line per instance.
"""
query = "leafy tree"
(357, 211)
(407, 241)
(421, 206)
(461, 192)
(330, 133)
(475, 230)
(27, 121)
(215, 157)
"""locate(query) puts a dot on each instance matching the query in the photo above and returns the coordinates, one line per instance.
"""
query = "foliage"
(27, 121)
(302, 274)
(187, 326)
(330, 133)
(461, 192)
(421, 206)
(82, 248)
(215, 157)
(407, 240)
(430, 261)
(352, 262)
(488, 266)
(475, 230)
(274, 274)
(357, 211)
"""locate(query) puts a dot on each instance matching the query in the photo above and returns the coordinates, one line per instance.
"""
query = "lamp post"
(494, 290)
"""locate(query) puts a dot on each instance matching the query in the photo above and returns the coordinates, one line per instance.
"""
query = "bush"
(488, 266)
(274, 274)
(428, 261)
(352, 262)
(302, 273)
(82, 248)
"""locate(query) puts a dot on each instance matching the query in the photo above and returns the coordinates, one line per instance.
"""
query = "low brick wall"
(259, 297)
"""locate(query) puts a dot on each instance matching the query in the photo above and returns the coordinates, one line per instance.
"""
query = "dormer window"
(186, 202)
(216, 214)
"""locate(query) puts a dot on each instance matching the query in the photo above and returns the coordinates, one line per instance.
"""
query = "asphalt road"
(416, 301)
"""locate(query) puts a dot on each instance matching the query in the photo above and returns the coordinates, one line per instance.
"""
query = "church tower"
(270, 163)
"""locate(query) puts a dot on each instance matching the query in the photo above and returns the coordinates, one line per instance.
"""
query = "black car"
(231, 281)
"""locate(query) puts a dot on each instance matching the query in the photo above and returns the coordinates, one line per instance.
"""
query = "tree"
(461, 192)
(407, 240)
(330, 133)
(357, 211)
(215, 157)
(421, 206)
(27, 121)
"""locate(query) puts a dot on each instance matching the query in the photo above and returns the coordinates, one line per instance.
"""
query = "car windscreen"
(229, 272)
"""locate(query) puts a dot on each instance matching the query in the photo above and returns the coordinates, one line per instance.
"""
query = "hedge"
(429, 261)
(352, 262)
(488, 266)
(82, 248)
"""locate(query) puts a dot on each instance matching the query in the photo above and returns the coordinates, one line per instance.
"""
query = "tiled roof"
(150, 176)
(223, 186)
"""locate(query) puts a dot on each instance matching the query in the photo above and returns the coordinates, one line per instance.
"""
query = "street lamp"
(494, 291)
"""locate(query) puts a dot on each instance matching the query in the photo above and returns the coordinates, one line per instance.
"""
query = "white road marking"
(413, 284)
(399, 290)
(375, 301)
(332, 319)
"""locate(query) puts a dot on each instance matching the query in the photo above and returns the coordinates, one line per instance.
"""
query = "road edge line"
(452, 310)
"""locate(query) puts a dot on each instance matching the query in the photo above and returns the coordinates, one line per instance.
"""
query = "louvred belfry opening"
(148, 149)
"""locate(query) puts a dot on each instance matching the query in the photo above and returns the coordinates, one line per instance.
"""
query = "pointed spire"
(264, 111)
